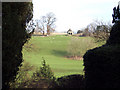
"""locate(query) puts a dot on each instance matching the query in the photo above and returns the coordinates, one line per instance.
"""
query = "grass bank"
(52, 49)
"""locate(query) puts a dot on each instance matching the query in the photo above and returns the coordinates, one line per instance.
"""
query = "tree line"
(97, 29)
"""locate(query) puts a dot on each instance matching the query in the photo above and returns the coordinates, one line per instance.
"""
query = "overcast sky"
(75, 14)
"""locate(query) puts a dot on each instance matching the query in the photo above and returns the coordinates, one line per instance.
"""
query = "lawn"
(52, 49)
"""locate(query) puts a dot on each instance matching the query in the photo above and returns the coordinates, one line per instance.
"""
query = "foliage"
(29, 46)
(114, 35)
(79, 31)
(23, 78)
(100, 30)
(102, 64)
(44, 72)
(16, 15)
(101, 67)
(77, 47)
(86, 32)
(43, 77)
(70, 81)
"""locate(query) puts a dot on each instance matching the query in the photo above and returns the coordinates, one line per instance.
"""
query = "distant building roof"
(69, 31)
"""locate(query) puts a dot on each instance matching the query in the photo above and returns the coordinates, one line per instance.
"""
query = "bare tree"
(91, 27)
(47, 23)
(86, 32)
(42, 24)
(100, 29)
(50, 20)
(37, 29)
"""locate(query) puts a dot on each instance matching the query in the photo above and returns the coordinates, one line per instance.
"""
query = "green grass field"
(52, 49)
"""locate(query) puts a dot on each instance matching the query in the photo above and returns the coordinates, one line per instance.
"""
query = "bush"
(78, 46)
(43, 75)
(70, 81)
(79, 31)
(44, 72)
(102, 67)
(22, 79)
(16, 15)
(42, 78)
(102, 32)
(102, 64)
(114, 38)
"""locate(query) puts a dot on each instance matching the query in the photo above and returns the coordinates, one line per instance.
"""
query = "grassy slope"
(53, 49)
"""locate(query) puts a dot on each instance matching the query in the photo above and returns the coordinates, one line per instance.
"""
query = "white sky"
(75, 14)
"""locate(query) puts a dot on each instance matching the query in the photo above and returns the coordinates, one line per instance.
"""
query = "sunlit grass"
(52, 49)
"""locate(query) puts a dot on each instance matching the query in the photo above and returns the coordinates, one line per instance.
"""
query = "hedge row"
(102, 64)
(14, 35)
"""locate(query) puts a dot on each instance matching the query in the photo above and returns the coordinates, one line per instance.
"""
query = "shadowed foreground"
(102, 64)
